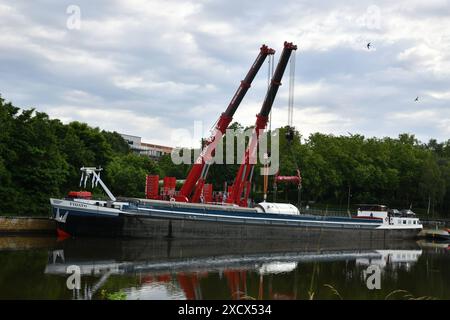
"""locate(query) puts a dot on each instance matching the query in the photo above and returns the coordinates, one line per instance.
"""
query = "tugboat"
(188, 214)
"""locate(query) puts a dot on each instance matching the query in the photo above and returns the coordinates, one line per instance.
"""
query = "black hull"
(163, 228)
(93, 226)
(131, 226)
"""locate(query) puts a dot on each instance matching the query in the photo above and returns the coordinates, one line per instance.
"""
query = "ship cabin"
(386, 215)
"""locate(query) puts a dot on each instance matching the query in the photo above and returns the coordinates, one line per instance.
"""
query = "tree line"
(41, 157)
(341, 170)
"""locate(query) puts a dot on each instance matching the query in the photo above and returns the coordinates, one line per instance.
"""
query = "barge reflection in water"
(142, 269)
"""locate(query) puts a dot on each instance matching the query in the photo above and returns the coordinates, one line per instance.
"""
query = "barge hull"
(195, 222)
(147, 227)
(163, 228)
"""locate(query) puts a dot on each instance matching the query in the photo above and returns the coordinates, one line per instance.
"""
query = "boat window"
(370, 207)
(404, 221)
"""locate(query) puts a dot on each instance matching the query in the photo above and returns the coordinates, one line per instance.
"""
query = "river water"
(44, 268)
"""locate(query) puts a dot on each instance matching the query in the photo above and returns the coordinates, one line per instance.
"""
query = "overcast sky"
(150, 68)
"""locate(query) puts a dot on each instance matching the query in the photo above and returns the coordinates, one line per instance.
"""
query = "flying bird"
(416, 99)
(368, 46)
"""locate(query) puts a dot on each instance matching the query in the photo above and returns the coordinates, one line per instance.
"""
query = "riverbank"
(26, 225)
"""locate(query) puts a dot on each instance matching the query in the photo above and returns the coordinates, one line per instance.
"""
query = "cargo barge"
(78, 215)
(158, 219)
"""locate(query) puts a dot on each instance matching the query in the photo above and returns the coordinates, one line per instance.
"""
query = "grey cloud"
(128, 57)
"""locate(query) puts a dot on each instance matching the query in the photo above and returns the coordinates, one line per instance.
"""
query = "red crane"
(197, 174)
(242, 183)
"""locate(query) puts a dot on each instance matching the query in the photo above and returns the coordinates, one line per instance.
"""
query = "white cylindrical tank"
(280, 208)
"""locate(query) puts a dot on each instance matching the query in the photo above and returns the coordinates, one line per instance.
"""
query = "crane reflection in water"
(182, 271)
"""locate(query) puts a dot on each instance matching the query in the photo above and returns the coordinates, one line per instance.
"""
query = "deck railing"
(326, 212)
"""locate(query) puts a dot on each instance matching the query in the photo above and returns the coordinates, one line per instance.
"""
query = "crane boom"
(197, 173)
(241, 186)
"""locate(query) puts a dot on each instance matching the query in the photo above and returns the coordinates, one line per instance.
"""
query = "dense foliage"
(338, 170)
(400, 172)
(40, 158)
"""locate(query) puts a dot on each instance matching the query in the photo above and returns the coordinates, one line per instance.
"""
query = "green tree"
(127, 173)
(35, 165)
(431, 185)
(41, 157)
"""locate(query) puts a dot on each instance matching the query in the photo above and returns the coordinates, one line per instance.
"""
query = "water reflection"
(36, 268)
(230, 270)
(394, 258)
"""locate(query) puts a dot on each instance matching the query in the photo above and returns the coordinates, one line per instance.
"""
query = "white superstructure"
(390, 220)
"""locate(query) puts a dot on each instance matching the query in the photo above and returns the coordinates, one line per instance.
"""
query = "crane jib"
(246, 83)
(195, 173)
(243, 178)
(276, 79)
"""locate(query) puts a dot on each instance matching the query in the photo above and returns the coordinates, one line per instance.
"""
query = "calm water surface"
(37, 268)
